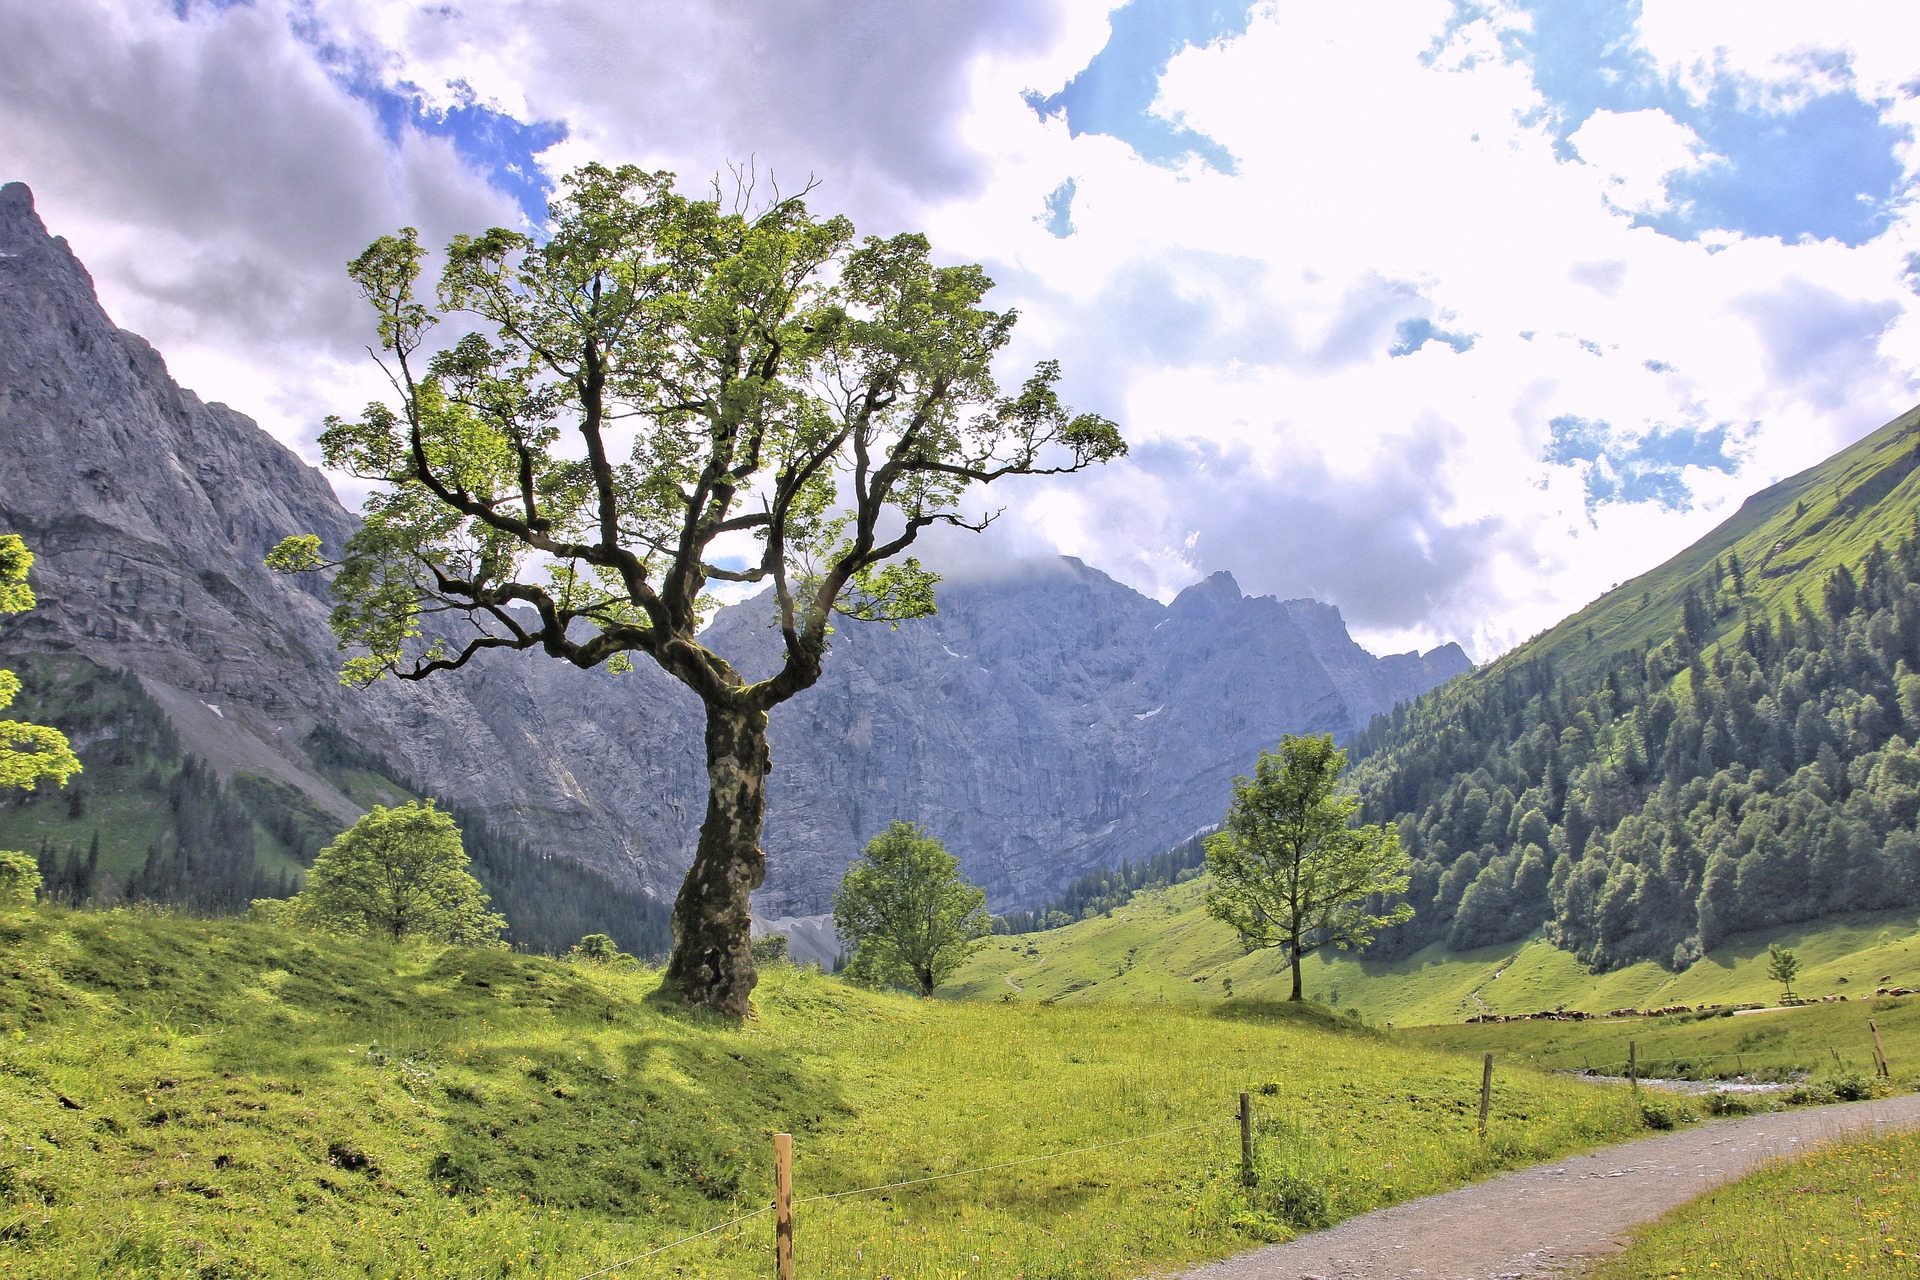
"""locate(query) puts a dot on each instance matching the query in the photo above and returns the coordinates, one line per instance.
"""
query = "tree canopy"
(1288, 867)
(911, 917)
(29, 753)
(399, 873)
(663, 393)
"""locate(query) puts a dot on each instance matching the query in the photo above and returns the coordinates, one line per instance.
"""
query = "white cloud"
(1638, 152)
(1238, 326)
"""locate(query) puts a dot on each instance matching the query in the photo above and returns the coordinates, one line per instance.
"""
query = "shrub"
(19, 880)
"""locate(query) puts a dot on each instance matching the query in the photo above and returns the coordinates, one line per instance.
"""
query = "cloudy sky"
(1451, 312)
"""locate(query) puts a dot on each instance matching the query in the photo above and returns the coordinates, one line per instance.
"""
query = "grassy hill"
(1162, 947)
(222, 1098)
(1788, 537)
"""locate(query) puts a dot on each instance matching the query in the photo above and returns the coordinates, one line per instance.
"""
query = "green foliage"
(398, 873)
(255, 1100)
(19, 880)
(909, 915)
(770, 949)
(595, 948)
(1783, 967)
(29, 753)
(1288, 868)
(774, 366)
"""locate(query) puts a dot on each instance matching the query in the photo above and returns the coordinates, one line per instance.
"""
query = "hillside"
(231, 1098)
(1722, 745)
(1161, 947)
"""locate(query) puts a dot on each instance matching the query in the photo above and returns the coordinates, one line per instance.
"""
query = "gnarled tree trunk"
(712, 964)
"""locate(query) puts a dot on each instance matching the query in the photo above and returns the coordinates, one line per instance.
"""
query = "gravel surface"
(1542, 1220)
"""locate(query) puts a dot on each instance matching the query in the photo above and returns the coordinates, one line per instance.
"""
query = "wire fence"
(909, 1182)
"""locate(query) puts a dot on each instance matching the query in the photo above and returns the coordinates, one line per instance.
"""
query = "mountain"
(1726, 743)
(1048, 721)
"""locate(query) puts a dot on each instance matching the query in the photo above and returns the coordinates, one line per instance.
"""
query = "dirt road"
(1539, 1220)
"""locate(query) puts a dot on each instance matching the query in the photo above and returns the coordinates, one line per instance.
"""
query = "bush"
(1662, 1114)
(19, 880)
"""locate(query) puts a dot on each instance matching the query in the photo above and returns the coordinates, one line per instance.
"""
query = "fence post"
(1633, 1065)
(1246, 1140)
(1879, 1049)
(783, 1206)
(1486, 1092)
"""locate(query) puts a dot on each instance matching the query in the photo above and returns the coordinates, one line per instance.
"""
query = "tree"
(401, 873)
(596, 948)
(799, 409)
(909, 914)
(1289, 869)
(29, 753)
(1783, 967)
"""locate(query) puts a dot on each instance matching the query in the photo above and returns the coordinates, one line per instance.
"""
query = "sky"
(1454, 313)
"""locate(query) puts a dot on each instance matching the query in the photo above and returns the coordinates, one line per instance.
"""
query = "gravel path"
(1538, 1221)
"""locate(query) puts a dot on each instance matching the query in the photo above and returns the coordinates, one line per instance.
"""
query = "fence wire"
(698, 1235)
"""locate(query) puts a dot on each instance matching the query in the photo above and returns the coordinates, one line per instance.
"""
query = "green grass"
(1848, 1209)
(1162, 947)
(190, 1098)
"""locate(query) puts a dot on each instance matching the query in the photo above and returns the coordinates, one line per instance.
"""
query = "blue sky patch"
(1058, 219)
(1416, 333)
(1649, 468)
(504, 149)
(1113, 94)
(1825, 166)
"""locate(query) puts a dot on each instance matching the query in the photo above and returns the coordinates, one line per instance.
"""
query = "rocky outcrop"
(1048, 721)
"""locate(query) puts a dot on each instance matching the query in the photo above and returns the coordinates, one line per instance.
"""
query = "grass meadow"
(1850, 1208)
(226, 1099)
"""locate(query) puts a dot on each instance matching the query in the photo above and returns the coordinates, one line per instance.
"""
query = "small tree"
(907, 911)
(662, 393)
(399, 873)
(595, 948)
(1290, 870)
(1783, 967)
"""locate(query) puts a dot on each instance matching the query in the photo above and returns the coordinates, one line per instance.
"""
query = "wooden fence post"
(1486, 1092)
(1246, 1140)
(1633, 1066)
(1880, 1050)
(783, 1206)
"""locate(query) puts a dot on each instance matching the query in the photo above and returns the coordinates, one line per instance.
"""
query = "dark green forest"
(1753, 769)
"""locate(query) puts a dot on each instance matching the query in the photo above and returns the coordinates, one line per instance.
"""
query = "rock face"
(1048, 721)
